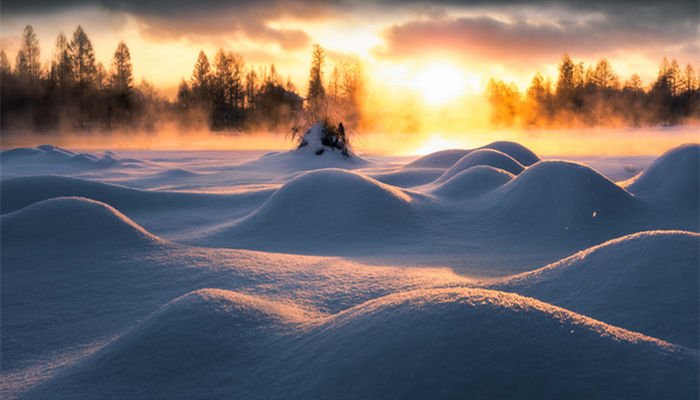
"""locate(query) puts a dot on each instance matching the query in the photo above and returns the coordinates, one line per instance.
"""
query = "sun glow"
(440, 82)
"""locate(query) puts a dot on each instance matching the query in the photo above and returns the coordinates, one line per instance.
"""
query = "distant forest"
(593, 96)
(74, 92)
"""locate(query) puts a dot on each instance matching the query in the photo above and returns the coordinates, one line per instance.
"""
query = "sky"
(398, 41)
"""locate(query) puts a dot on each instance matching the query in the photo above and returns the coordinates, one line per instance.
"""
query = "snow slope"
(454, 343)
(647, 282)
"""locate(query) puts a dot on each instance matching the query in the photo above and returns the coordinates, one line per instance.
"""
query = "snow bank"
(472, 182)
(73, 221)
(447, 343)
(646, 282)
(488, 157)
(672, 180)
(446, 158)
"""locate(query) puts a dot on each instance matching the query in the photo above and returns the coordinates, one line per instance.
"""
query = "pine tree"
(316, 90)
(121, 78)
(61, 66)
(201, 78)
(83, 59)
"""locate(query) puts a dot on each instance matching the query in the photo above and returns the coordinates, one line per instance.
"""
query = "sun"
(440, 82)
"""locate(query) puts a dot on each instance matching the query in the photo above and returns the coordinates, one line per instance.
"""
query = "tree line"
(593, 96)
(74, 91)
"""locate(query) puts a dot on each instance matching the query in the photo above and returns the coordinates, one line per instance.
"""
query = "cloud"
(197, 19)
(521, 38)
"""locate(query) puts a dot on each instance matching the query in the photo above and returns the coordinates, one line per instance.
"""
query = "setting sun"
(439, 83)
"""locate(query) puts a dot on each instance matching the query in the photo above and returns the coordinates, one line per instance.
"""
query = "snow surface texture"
(129, 279)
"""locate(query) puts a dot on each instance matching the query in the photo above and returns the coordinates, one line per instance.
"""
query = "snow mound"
(325, 205)
(646, 282)
(412, 177)
(672, 180)
(446, 158)
(315, 151)
(73, 221)
(450, 343)
(488, 157)
(472, 182)
(517, 151)
(561, 196)
(51, 154)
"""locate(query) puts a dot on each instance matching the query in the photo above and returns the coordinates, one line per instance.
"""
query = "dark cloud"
(197, 19)
(621, 22)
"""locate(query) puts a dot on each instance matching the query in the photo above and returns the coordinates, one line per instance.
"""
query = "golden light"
(439, 83)
(435, 143)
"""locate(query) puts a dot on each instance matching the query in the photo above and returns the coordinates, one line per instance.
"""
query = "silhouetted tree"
(28, 65)
(83, 58)
(200, 80)
(316, 90)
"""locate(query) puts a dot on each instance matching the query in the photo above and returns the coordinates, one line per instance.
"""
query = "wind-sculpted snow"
(73, 220)
(449, 343)
(647, 282)
(472, 182)
(487, 157)
(673, 180)
(447, 158)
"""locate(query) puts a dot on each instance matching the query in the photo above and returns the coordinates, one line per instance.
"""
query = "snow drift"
(672, 180)
(72, 221)
(451, 343)
(488, 157)
(647, 282)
